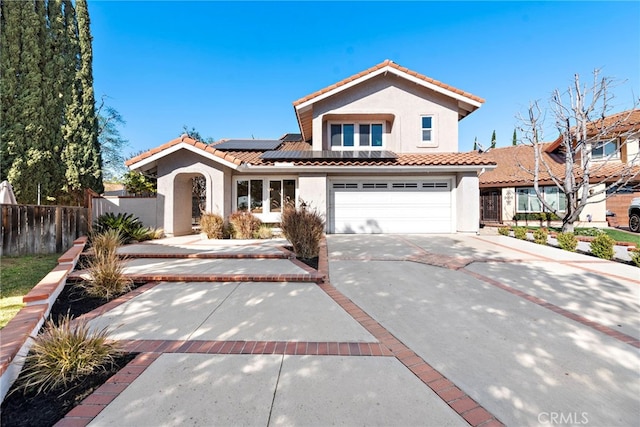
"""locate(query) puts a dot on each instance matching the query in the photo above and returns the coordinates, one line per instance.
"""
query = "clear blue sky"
(232, 70)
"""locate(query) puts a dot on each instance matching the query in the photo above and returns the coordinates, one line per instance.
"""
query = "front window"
(281, 193)
(265, 195)
(249, 195)
(353, 136)
(527, 200)
(427, 129)
(605, 150)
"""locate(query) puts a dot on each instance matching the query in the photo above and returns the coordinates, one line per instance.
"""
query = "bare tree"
(582, 117)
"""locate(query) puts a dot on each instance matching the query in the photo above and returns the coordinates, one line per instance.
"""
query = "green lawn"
(623, 236)
(17, 276)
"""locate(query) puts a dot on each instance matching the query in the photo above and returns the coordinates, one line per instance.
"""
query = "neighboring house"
(376, 153)
(507, 192)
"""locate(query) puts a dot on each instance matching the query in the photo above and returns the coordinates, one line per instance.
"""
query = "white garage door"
(393, 206)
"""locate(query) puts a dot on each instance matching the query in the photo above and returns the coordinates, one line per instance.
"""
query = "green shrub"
(244, 224)
(567, 241)
(264, 232)
(602, 246)
(303, 228)
(520, 233)
(635, 257)
(536, 216)
(212, 225)
(66, 352)
(129, 226)
(540, 236)
(504, 231)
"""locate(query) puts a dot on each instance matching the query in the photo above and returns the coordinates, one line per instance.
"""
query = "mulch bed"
(45, 409)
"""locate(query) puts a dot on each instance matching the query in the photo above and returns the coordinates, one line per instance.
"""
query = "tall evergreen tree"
(514, 141)
(81, 154)
(493, 139)
(47, 100)
(10, 42)
(30, 161)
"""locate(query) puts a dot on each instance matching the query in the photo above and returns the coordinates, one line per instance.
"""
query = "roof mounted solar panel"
(249, 144)
(292, 137)
(327, 155)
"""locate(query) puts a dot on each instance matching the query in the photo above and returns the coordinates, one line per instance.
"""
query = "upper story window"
(354, 136)
(606, 150)
(427, 129)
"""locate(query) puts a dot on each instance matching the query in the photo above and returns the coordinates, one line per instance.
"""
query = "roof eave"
(393, 70)
(365, 169)
(140, 165)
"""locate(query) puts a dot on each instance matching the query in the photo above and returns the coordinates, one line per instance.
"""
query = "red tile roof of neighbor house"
(386, 63)
(253, 157)
(612, 126)
(515, 165)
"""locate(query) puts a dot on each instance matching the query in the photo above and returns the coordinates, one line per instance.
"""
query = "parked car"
(634, 215)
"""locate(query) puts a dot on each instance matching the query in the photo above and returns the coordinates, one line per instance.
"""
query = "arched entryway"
(190, 198)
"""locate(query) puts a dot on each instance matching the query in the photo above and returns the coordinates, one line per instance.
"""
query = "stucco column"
(467, 202)
(314, 188)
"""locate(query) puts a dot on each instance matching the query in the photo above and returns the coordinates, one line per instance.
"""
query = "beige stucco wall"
(175, 173)
(467, 203)
(312, 188)
(633, 149)
(406, 101)
(597, 208)
(144, 208)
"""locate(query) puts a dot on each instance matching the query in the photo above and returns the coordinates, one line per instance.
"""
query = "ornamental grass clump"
(106, 243)
(212, 225)
(602, 246)
(567, 241)
(244, 224)
(106, 270)
(635, 257)
(65, 353)
(303, 228)
(540, 236)
(264, 232)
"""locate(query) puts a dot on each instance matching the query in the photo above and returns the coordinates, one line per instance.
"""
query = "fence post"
(59, 229)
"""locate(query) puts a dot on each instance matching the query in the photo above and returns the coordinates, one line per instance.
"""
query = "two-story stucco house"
(377, 153)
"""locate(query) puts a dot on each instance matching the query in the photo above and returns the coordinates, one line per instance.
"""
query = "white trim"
(180, 146)
(366, 169)
(389, 69)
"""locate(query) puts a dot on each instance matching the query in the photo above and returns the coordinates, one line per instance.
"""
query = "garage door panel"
(417, 207)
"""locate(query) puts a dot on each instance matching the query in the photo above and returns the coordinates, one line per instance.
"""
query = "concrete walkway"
(405, 330)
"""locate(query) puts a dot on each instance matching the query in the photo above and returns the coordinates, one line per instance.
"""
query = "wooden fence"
(31, 229)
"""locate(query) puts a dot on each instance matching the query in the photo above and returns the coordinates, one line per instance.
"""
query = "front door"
(490, 206)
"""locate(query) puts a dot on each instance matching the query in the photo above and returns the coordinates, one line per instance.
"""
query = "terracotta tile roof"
(407, 159)
(516, 163)
(387, 63)
(614, 125)
(253, 157)
(228, 156)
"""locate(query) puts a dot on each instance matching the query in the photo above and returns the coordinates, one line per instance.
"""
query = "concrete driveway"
(535, 335)
(428, 330)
